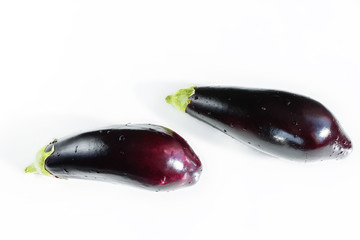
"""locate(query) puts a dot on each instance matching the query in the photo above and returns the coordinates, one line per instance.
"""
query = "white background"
(70, 66)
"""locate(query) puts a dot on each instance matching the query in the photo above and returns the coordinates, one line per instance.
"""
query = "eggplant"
(143, 155)
(279, 123)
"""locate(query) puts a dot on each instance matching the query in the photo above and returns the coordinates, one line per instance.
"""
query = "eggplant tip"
(180, 99)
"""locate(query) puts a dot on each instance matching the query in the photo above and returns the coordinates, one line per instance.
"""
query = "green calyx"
(180, 99)
(38, 166)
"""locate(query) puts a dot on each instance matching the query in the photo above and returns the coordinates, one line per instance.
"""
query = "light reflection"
(176, 164)
(281, 136)
(324, 132)
(321, 126)
(196, 176)
(163, 181)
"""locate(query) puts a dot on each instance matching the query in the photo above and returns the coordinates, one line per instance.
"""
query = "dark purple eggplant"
(144, 155)
(279, 123)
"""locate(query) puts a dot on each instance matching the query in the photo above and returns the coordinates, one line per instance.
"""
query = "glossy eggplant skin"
(143, 155)
(279, 123)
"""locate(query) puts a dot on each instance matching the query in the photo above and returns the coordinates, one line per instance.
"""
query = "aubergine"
(279, 123)
(143, 155)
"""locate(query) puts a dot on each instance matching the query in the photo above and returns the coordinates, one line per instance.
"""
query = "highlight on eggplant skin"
(279, 123)
(144, 155)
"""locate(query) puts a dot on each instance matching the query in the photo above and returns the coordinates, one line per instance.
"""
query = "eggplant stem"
(30, 169)
(180, 99)
(38, 166)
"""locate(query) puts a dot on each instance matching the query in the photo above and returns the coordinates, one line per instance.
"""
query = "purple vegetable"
(144, 155)
(279, 123)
